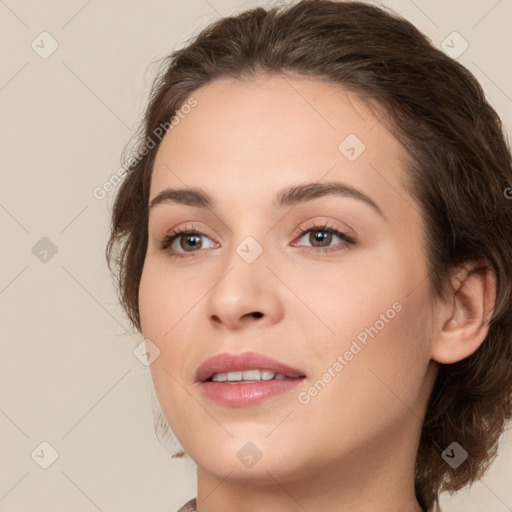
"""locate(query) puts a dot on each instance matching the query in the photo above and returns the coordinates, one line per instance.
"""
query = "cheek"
(380, 321)
(385, 360)
(378, 388)
(150, 299)
(165, 298)
(169, 305)
(161, 306)
(351, 296)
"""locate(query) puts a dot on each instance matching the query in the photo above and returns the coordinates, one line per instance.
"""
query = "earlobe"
(465, 320)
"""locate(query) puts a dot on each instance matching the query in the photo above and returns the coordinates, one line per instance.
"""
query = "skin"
(352, 446)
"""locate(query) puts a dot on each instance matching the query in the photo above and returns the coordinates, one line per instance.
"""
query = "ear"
(464, 319)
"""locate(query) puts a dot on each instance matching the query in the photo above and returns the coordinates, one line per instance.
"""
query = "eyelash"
(169, 238)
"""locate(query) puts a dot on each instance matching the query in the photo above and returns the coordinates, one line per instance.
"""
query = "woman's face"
(351, 312)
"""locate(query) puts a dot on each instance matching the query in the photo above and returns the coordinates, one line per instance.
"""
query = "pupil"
(323, 237)
(193, 237)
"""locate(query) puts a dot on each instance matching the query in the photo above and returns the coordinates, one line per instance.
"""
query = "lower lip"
(246, 394)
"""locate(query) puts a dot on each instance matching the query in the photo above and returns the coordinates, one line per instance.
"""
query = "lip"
(225, 362)
(245, 394)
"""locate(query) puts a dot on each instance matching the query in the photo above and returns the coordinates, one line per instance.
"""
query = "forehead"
(253, 137)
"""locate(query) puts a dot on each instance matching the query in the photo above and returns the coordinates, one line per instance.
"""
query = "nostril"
(257, 314)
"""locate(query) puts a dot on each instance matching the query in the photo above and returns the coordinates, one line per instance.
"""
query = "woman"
(318, 252)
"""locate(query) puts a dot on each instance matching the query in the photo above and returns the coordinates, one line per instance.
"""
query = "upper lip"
(225, 362)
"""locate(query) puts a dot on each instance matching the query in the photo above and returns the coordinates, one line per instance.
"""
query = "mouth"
(245, 367)
(240, 380)
(247, 376)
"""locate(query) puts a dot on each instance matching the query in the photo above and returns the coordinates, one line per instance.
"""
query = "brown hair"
(460, 170)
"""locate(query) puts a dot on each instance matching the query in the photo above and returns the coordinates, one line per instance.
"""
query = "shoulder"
(190, 506)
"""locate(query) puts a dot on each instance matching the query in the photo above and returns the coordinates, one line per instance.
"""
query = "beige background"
(68, 373)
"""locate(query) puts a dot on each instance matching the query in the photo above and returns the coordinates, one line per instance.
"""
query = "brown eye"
(179, 243)
(321, 238)
(189, 241)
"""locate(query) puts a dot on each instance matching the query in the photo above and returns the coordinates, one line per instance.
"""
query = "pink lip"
(223, 363)
(245, 394)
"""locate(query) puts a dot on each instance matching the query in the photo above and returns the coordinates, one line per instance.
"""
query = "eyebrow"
(289, 196)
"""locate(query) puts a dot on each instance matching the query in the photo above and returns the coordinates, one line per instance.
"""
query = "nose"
(246, 294)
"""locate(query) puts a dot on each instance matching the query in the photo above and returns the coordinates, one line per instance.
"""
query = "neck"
(378, 476)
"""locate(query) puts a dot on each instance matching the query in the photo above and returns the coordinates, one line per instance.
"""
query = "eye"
(186, 240)
(320, 238)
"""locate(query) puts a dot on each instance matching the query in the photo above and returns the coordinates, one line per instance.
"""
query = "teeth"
(267, 374)
(234, 375)
(251, 375)
(248, 375)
